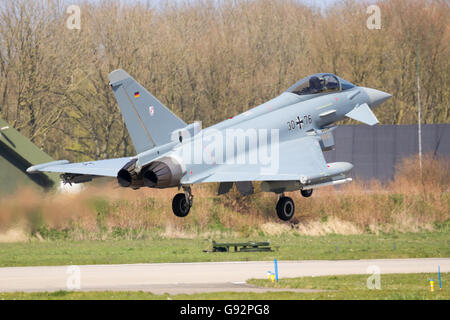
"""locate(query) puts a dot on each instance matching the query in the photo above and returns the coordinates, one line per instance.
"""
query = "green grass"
(393, 286)
(413, 286)
(290, 247)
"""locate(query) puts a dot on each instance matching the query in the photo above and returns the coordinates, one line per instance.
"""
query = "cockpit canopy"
(320, 83)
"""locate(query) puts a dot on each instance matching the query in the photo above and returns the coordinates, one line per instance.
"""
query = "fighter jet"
(279, 143)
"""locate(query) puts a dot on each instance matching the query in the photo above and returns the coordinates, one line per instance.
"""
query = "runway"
(174, 278)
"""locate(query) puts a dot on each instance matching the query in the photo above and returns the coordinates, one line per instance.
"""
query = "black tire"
(180, 205)
(285, 208)
(306, 193)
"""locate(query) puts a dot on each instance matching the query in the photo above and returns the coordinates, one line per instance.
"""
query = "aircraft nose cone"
(376, 97)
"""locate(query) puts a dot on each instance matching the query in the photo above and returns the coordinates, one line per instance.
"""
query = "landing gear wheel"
(180, 205)
(306, 193)
(285, 208)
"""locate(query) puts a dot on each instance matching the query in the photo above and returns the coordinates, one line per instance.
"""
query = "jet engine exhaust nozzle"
(127, 176)
(163, 173)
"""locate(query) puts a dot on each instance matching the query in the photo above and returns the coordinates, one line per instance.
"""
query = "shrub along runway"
(175, 278)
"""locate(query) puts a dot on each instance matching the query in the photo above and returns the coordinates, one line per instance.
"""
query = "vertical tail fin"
(148, 121)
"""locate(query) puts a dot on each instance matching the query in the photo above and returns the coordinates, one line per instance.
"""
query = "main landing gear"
(182, 202)
(285, 208)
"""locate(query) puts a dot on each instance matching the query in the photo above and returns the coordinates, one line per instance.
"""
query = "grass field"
(393, 287)
(288, 247)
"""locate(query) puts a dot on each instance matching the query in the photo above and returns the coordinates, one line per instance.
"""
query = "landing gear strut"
(182, 202)
(285, 208)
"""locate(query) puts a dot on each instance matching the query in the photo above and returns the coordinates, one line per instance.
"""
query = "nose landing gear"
(306, 193)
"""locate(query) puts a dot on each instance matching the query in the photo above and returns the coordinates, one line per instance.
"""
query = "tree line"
(208, 60)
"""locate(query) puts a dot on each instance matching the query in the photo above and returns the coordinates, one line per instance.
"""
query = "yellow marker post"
(272, 277)
(431, 285)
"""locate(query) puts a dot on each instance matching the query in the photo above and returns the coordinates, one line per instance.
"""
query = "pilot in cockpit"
(315, 85)
(319, 83)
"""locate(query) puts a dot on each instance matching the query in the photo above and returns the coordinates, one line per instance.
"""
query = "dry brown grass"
(13, 235)
(406, 204)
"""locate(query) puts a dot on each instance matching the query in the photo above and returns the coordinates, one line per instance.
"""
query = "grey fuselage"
(292, 115)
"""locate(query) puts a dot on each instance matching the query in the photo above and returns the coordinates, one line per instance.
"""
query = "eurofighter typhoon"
(279, 143)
